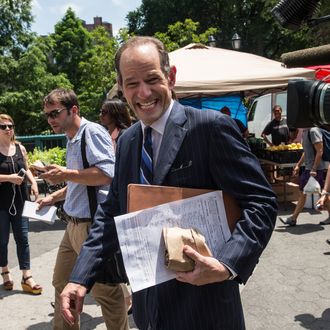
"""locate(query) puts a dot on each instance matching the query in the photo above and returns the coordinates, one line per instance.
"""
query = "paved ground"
(290, 288)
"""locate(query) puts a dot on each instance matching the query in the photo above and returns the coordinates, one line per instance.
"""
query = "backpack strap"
(91, 192)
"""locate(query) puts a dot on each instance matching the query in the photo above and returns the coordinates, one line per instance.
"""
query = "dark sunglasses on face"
(103, 112)
(3, 126)
(54, 113)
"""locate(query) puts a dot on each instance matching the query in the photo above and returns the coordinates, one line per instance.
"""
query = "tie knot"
(147, 131)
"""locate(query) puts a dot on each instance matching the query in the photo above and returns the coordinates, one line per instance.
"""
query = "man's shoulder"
(94, 129)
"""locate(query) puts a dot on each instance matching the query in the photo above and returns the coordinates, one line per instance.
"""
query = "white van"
(260, 111)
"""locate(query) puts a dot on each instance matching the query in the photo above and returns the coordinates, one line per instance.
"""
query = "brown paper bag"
(175, 238)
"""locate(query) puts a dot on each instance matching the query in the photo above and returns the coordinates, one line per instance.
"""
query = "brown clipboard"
(141, 197)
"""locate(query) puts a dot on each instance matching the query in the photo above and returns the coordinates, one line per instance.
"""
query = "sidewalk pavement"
(290, 288)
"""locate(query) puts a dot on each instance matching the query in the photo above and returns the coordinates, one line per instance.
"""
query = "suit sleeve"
(237, 171)
(102, 240)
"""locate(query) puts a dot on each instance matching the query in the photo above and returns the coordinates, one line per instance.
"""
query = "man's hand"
(54, 174)
(35, 190)
(48, 200)
(323, 202)
(72, 298)
(207, 269)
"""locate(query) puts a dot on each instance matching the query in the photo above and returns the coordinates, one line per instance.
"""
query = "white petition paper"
(46, 214)
(142, 244)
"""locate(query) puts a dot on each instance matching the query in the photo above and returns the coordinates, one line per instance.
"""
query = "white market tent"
(206, 71)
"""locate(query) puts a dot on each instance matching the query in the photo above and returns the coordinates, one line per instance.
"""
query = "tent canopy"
(205, 71)
(322, 72)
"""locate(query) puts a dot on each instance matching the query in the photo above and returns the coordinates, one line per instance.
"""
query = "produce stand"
(277, 161)
(286, 174)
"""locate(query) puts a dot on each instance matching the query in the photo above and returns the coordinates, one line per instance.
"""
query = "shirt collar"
(160, 123)
(78, 135)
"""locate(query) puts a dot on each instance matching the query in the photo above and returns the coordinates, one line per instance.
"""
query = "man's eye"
(131, 84)
(153, 80)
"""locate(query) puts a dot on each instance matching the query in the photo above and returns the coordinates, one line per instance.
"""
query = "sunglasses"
(3, 127)
(53, 114)
(104, 112)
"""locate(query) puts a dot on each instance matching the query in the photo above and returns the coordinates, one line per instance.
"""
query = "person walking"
(186, 147)
(13, 194)
(61, 109)
(314, 166)
(324, 200)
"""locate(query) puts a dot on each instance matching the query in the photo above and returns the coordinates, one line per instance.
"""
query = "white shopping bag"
(312, 186)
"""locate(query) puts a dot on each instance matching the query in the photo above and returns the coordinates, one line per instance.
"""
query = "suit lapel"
(173, 137)
(135, 152)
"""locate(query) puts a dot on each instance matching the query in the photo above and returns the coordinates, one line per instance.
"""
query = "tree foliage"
(71, 44)
(251, 19)
(15, 23)
(181, 34)
(24, 83)
(97, 72)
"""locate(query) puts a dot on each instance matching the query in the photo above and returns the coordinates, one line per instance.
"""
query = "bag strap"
(91, 192)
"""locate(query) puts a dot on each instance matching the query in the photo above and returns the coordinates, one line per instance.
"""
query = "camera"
(21, 172)
(308, 103)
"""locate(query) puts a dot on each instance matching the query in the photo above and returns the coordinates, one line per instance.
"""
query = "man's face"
(146, 88)
(277, 114)
(58, 117)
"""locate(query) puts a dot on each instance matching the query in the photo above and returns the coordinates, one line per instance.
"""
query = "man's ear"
(172, 76)
(75, 110)
(119, 84)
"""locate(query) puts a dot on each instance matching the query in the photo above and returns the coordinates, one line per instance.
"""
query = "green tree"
(251, 19)
(71, 44)
(15, 23)
(181, 34)
(27, 80)
(97, 72)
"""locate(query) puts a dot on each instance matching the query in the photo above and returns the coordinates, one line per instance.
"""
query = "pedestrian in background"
(61, 109)
(13, 194)
(314, 166)
(324, 200)
(115, 116)
(277, 128)
(243, 129)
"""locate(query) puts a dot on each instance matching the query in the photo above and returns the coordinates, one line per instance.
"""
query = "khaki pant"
(110, 298)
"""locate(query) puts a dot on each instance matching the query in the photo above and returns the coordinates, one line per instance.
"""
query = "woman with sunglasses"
(13, 193)
(115, 117)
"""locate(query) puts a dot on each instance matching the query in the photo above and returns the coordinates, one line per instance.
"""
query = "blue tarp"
(233, 102)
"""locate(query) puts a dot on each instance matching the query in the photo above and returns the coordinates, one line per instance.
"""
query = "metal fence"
(42, 142)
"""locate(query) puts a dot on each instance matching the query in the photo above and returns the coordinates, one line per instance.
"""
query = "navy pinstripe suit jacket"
(200, 149)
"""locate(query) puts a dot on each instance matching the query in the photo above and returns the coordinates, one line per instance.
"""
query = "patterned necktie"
(146, 166)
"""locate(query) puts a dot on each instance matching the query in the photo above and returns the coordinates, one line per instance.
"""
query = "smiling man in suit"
(186, 148)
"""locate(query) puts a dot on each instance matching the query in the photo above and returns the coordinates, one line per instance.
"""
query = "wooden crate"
(292, 191)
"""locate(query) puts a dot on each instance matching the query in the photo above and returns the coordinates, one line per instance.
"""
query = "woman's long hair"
(118, 113)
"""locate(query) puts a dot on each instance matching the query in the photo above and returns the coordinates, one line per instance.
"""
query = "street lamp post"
(211, 41)
(236, 42)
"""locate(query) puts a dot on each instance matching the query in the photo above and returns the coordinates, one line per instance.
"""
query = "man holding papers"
(175, 145)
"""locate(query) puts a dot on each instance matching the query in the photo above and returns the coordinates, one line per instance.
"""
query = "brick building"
(98, 22)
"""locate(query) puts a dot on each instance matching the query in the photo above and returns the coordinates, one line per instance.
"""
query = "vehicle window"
(281, 99)
(252, 111)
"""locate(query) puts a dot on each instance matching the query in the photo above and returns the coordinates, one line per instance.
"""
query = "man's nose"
(144, 90)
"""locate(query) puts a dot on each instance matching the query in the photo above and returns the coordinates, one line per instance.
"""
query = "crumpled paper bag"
(175, 238)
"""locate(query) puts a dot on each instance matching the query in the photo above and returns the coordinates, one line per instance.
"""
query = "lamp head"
(236, 41)
(211, 41)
